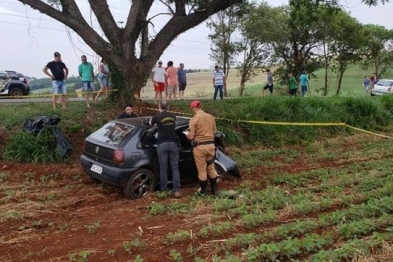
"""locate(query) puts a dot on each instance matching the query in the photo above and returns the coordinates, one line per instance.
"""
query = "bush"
(26, 147)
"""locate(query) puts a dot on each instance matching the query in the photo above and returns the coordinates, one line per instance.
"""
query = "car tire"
(16, 91)
(140, 183)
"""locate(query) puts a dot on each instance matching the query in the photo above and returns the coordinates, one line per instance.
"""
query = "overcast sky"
(30, 38)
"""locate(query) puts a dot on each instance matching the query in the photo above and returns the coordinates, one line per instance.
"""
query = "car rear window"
(113, 133)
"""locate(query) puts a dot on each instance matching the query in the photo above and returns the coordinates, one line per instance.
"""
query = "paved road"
(34, 100)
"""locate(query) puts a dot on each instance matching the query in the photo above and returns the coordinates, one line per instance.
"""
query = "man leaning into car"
(167, 147)
(202, 128)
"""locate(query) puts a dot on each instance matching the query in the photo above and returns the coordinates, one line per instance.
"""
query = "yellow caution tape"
(287, 123)
(368, 132)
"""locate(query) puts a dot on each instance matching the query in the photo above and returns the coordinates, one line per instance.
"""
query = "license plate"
(96, 168)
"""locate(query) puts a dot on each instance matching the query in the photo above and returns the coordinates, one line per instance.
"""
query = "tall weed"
(26, 147)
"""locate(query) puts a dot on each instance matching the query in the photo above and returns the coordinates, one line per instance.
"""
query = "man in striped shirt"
(218, 82)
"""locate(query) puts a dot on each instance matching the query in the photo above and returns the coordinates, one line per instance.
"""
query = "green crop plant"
(79, 257)
(178, 236)
(92, 229)
(175, 255)
(112, 252)
(137, 243)
(215, 229)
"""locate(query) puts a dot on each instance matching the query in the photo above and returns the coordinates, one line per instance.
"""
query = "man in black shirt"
(128, 112)
(167, 147)
(58, 74)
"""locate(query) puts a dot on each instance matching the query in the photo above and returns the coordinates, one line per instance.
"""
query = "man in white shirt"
(218, 82)
(159, 77)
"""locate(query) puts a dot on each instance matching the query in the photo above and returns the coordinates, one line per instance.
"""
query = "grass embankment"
(369, 113)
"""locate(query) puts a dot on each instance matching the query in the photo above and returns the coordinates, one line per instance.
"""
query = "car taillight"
(118, 156)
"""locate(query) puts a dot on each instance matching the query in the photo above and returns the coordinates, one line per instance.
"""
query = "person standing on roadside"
(167, 147)
(304, 84)
(292, 85)
(202, 128)
(59, 73)
(269, 82)
(219, 81)
(366, 84)
(103, 78)
(172, 81)
(182, 80)
(128, 112)
(159, 78)
(86, 73)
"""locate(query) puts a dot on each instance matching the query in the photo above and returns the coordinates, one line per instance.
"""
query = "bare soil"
(48, 212)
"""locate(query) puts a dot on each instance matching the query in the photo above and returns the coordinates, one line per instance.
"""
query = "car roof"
(142, 121)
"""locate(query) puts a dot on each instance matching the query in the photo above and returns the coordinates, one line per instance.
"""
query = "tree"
(223, 26)
(378, 52)
(130, 68)
(261, 28)
(347, 44)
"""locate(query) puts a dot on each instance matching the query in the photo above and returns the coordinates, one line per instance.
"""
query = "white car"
(382, 87)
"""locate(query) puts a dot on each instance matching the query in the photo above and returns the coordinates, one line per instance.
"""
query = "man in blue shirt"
(304, 82)
(181, 80)
(218, 82)
(366, 84)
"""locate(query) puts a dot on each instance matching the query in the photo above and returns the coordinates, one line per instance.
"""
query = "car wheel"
(141, 183)
(16, 91)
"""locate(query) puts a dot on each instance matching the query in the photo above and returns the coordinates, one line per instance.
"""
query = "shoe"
(213, 186)
(203, 188)
(177, 194)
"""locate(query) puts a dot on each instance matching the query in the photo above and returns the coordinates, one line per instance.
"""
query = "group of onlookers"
(294, 86)
(369, 82)
(171, 80)
(59, 73)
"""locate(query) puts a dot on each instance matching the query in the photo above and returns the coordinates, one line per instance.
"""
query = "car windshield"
(113, 133)
(383, 82)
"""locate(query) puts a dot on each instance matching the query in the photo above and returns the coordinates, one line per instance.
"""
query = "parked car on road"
(13, 85)
(123, 153)
(382, 87)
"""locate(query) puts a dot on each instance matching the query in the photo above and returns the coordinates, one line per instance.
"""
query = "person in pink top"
(171, 87)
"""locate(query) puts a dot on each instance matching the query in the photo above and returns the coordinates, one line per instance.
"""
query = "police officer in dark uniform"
(201, 130)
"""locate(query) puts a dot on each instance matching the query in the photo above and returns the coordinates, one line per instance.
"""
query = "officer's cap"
(195, 104)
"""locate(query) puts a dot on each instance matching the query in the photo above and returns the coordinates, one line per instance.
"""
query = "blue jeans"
(304, 90)
(169, 151)
(59, 87)
(87, 86)
(216, 89)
